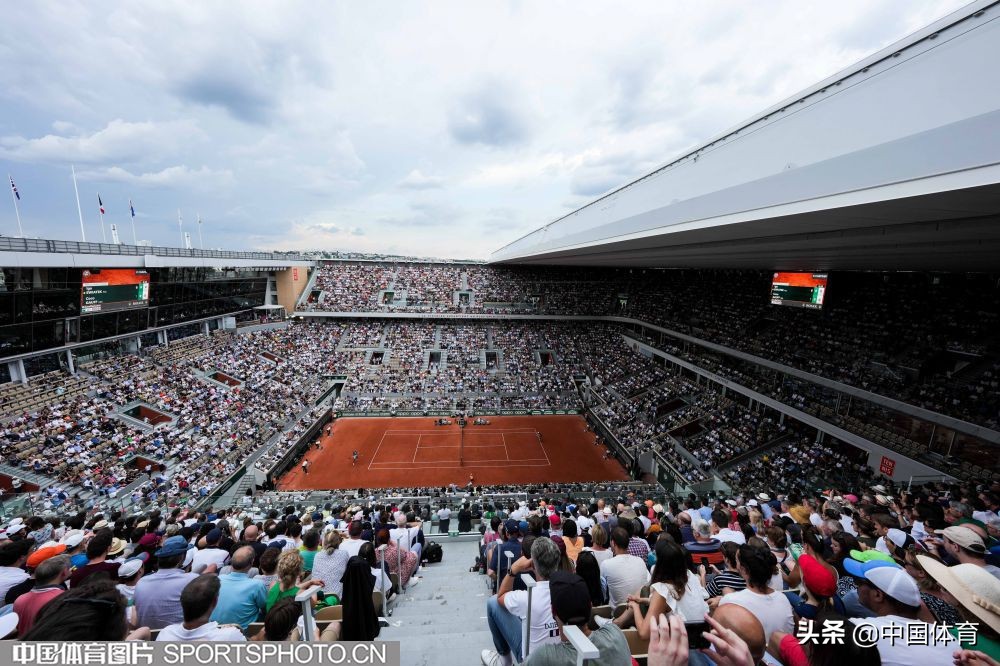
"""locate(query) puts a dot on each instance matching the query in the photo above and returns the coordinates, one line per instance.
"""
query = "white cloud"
(119, 141)
(179, 176)
(417, 180)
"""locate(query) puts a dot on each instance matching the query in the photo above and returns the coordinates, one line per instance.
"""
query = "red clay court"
(412, 451)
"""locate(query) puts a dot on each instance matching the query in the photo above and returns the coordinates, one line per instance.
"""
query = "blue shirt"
(241, 600)
(499, 559)
(158, 597)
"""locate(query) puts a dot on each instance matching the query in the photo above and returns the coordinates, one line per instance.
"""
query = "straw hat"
(975, 588)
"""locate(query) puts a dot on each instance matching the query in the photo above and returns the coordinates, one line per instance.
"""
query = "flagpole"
(79, 209)
(17, 211)
(180, 225)
(104, 238)
(201, 242)
(131, 210)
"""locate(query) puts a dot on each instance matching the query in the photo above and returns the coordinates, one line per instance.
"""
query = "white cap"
(129, 568)
(752, 502)
(73, 538)
(897, 536)
(763, 497)
(731, 502)
(896, 583)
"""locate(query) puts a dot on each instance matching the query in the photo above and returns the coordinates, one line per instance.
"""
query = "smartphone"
(784, 569)
(695, 639)
(704, 562)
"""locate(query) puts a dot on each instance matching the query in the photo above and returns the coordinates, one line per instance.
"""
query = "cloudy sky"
(435, 128)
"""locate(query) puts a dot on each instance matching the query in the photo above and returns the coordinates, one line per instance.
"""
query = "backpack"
(433, 553)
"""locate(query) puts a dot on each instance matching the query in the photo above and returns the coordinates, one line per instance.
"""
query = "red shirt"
(28, 604)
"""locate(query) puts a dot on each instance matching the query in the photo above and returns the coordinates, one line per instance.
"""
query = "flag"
(131, 207)
(100, 204)
(13, 189)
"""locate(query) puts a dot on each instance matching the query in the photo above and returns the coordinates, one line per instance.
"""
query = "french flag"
(100, 203)
(13, 188)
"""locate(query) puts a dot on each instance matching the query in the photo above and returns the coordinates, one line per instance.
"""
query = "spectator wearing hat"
(555, 526)
(893, 596)
(625, 573)
(75, 547)
(938, 603)
(964, 546)
(510, 533)
(158, 595)
(978, 597)
(44, 552)
(211, 553)
(198, 601)
(506, 611)
(571, 606)
(241, 599)
(129, 573)
(116, 553)
(97, 554)
(819, 590)
(50, 577)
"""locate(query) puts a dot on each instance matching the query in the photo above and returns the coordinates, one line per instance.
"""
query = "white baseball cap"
(896, 583)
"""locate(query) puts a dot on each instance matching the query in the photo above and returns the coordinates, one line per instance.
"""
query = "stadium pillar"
(161, 338)
(69, 362)
(133, 345)
(204, 327)
(16, 370)
(781, 419)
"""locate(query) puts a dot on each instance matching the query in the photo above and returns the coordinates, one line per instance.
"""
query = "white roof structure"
(892, 163)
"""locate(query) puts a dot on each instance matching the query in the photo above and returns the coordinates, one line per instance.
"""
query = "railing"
(8, 244)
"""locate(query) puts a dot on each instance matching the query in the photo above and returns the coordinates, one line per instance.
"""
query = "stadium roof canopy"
(892, 163)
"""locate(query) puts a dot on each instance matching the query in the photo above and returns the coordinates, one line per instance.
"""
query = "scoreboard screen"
(801, 290)
(111, 289)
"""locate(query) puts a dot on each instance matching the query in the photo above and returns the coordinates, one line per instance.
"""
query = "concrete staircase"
(442, 620)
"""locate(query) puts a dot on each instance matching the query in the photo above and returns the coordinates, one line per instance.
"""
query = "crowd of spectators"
(924, 339)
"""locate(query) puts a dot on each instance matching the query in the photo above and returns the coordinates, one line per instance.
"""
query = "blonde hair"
(332, 541)
(599, 536)
(289, 569)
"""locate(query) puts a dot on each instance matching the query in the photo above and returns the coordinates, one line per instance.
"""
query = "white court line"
(506, 453)
(468, 446)
(375, 455)
(543, 449)
(467, 432)
(478, 463)
(417, 448)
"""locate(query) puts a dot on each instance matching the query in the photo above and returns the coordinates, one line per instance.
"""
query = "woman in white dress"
(673, 589)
